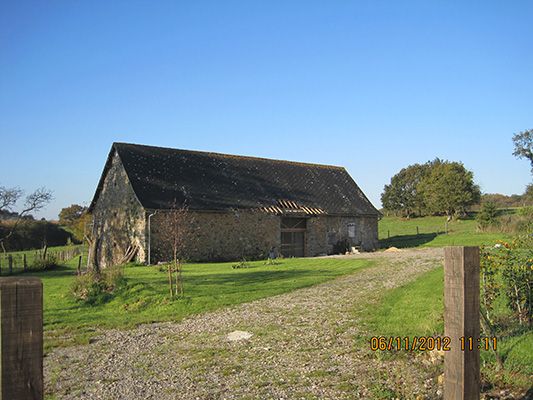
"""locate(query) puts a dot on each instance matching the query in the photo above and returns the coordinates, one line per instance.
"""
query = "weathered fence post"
(417, 232)
(388, 234)
(461, 323)
(21, 334)
(25, 262)
(10, 263)
(79, 265)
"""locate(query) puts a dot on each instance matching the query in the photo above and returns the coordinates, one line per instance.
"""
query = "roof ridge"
(225, 155)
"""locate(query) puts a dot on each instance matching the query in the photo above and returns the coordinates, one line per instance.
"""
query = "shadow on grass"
(246, 277)
(58, 270)
(405, 241)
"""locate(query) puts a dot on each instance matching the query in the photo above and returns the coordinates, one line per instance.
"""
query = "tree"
(69, 215)
(402, 194)
(76, 218)
(523, 146)
(35, 201)
(175, 234)
(449, 188)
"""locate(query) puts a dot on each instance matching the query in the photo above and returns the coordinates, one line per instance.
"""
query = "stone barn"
(241, 207)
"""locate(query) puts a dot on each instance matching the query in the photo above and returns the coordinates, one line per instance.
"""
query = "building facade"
(236, 207)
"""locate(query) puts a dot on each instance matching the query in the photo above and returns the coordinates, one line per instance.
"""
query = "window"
(351, 230)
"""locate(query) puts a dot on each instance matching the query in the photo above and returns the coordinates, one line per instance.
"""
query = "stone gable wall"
(119, 218)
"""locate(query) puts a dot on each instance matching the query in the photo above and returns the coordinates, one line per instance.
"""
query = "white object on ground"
(238, 335)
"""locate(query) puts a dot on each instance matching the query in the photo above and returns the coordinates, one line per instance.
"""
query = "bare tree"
(176, 234)
(34, 202)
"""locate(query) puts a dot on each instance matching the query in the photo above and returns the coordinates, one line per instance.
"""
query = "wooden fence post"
(10, 263)
(21, 334)
(25, 262)
(461, 323)
(79, 265)
(417, 232)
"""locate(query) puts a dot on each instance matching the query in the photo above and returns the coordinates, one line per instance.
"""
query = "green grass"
(401, 232)
(145, 299)
(30, 257)
(416, 309)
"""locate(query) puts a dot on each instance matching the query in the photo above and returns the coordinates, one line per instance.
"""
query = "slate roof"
(217, 182)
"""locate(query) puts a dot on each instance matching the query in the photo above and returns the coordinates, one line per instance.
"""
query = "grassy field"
(416, 309)
(145, 299)
(401, 232)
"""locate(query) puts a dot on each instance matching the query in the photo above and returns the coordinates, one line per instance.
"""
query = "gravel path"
(305, 345)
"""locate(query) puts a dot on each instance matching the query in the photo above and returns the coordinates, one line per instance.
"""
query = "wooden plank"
(461, 320)
(21, 334)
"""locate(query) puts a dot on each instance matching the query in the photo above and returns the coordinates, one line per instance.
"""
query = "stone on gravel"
(235, 336)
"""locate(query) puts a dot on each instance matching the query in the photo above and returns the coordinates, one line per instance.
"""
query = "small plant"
(272, 261)
(487, 216)
(97, 288)
(44, 263)
(241, 264)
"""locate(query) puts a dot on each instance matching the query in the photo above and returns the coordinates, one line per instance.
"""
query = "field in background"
(401, 233)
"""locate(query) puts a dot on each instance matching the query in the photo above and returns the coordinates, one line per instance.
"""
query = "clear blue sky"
(370, 85)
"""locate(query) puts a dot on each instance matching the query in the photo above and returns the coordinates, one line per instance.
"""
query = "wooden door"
(293, 237)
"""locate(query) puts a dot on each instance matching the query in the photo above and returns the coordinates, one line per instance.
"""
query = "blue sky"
(370, 85)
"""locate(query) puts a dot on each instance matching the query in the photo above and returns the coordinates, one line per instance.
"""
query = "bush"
(92, 288)
(44, 264)
(341, 247)
(507, 270)
(487, 215)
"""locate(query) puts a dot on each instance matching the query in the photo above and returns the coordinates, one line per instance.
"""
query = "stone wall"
(216, 236)
(219, 236)
(119, 218)
(324, 232)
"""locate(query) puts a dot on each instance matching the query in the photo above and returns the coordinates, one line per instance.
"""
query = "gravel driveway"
(304, 345)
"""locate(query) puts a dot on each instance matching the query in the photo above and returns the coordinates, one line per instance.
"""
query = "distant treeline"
(503, 201)
(33, 234)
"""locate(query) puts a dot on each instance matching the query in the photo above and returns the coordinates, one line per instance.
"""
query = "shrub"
(508, 270)
(44, 264)
(93, 288)
(487, 215)
(341, 247)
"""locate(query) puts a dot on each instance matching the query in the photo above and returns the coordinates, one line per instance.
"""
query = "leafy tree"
(402, 194)
(76, 219)
(449, 188)
(69, 215)
(523, 146)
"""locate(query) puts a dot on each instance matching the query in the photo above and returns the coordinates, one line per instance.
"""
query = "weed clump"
(97, 288)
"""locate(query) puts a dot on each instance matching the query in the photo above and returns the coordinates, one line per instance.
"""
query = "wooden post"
(25, 262)
(10, 263)
(417, 232)
(388, 234)
(21, 334)
(461, 320)
(79, 266)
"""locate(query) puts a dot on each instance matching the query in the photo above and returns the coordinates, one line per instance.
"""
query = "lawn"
(431, 231)
(416, 309)
(145, 299)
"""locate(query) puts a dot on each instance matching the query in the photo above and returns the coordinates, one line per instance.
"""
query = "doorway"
(293, 237)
